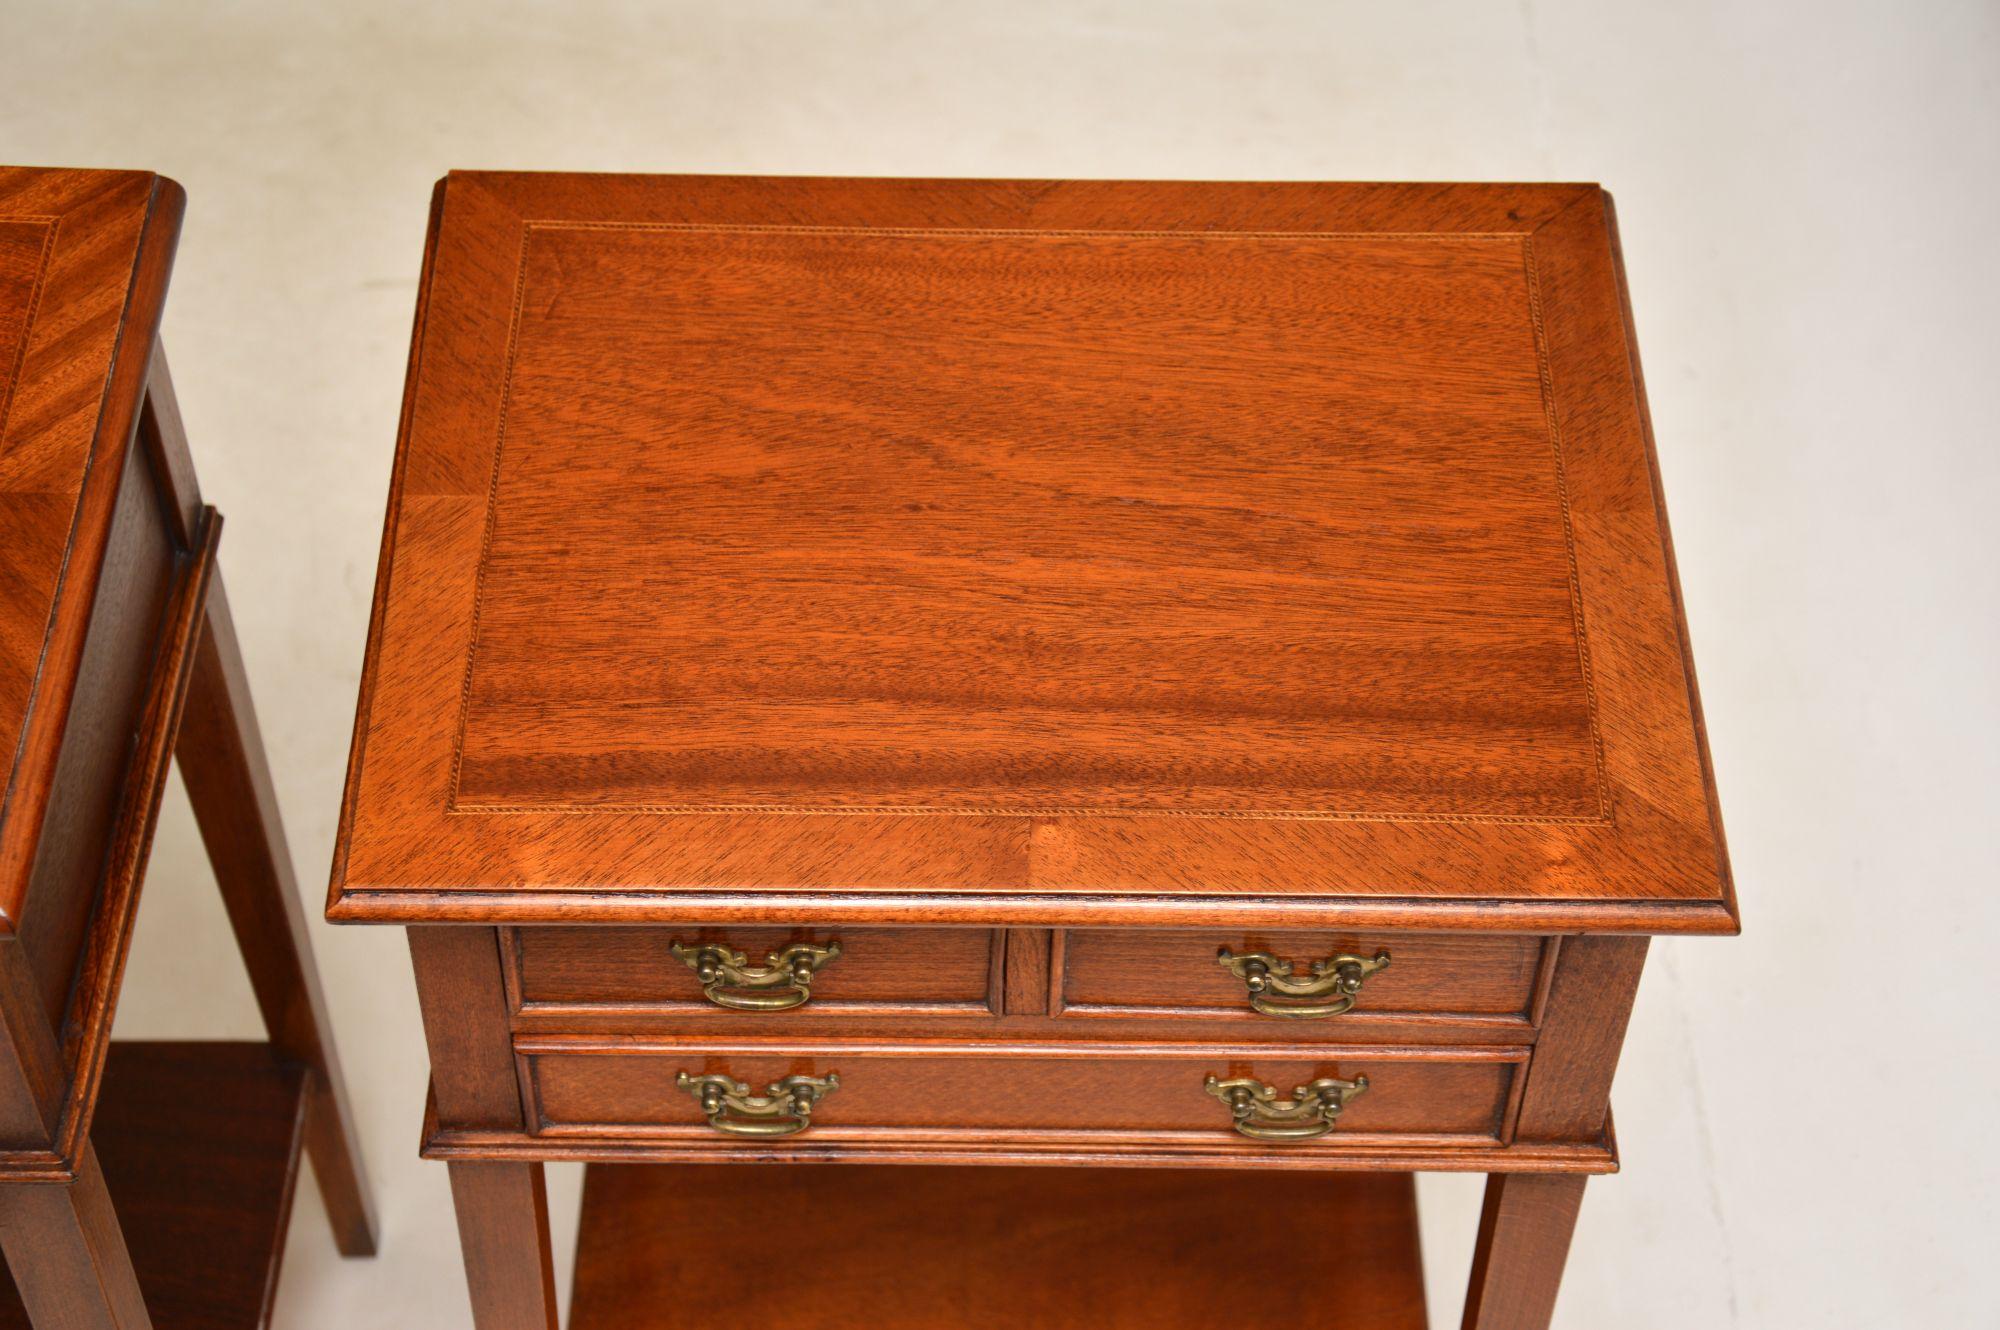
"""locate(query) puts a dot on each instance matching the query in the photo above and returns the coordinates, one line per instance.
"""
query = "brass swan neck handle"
(729, 980)
(1312, 1111)
(784, 1110)
(1333, 988)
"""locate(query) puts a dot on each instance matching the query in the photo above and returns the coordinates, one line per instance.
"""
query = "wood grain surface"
(1123, 973)
(68, 1263)
(951, 983)
(84, 258)
(1525, 1227)
(90, 863)
(116, 677)
(1091, 522)
(503, 1234)
(220, 750)
(24, 255)
(879, 971)
(1583, 1031)
(111, 629)
(993, 1249)
(988, 1095)
(464, 1004)
(1091, 551)
(200, 1147)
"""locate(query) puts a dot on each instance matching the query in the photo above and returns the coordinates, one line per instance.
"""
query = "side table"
(1130, 717)
(140, 1183)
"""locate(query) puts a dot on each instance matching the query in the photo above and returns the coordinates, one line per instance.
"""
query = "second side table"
(140, 1183)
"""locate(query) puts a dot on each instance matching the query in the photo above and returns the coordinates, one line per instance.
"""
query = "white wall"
(1807, 194)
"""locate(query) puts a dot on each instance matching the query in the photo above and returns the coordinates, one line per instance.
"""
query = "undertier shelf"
(886, 1247)
(199, 1143)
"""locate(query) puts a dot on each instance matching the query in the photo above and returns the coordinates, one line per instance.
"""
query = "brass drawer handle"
(724, 972)
(1270, 979)
(785, 1111)
(1262, 1116)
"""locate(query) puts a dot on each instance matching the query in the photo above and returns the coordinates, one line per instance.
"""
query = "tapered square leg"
(1524, 1233)
(228, 780)
(503, 1229)
(68, 1256)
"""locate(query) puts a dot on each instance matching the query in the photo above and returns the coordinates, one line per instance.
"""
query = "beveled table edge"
(1028, 910)
(1713, 911)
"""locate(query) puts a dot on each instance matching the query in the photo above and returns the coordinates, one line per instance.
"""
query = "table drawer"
(887, 971)
(650, 1090)
(1392, 979)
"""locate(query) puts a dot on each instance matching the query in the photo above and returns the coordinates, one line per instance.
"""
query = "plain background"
(1808, 197)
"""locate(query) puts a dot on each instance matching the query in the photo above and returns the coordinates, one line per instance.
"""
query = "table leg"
(503, 1208)
(1524, 1232)
(228, 780)
(503, 1230)
(68, 1255)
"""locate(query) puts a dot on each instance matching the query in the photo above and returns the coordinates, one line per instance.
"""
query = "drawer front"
(876, 971)
(1414, 1097)
(1488, 982)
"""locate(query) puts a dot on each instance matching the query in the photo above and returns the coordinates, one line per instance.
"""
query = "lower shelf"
(884, 1247)
(199, 1144)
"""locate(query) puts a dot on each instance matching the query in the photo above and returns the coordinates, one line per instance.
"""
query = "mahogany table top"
(1027, 552)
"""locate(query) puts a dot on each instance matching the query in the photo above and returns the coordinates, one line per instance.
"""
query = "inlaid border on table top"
(1653, 862)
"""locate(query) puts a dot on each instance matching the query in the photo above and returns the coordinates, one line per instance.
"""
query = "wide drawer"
(1420, 979)
(858, 971)
(649, 1090)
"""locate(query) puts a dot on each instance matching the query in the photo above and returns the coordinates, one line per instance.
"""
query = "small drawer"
(1438, 980)
(755, 974)
(1133, 1096)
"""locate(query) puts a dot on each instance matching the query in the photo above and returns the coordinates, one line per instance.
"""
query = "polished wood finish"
(99, 245)
(1094, 983)
(1568, 1094)
(963, 660)
(1441, 983)
(1526, 1222)
(1036, 587)
(464, 1003)
(1524, 1232)
(1029, 971)
(117, 654)
(200, 1146)
(86, 795)
(987, 576)
(503, 1227)
(84, 257)
(229, 784)
(916, 971)
(998, 1249)
(1052, 1096)
(475, 1145)
(117, 869)
(67, 1255)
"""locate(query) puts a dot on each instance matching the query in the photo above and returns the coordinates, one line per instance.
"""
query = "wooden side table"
(140, 1183)
(1173, 694)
